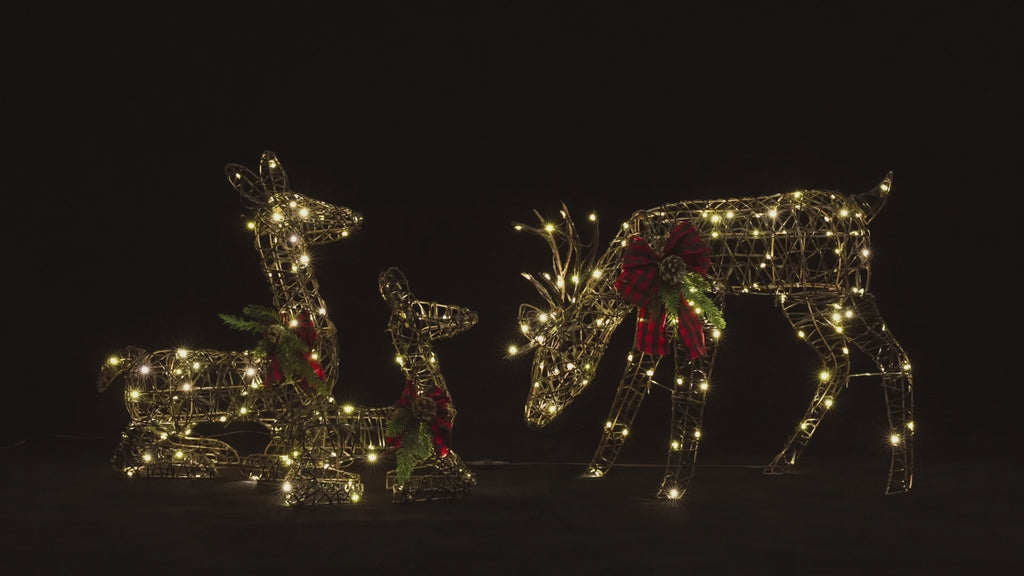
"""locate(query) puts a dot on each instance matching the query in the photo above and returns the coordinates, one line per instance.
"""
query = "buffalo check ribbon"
(640, 284)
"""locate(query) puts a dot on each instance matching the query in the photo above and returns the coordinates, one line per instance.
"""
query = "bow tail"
(691, 330)
(442, 432)
(650, 332)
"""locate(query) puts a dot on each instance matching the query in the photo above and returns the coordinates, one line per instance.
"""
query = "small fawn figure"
(808, 249)
(414, 433)
(425, 413)
(168, 392)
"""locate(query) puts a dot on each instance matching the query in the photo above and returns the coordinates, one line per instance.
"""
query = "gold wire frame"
(323, 430)
(808, 249)
(414, 326)
(313, 440)
(169, 393)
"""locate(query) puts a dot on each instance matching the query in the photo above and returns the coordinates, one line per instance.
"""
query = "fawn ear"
(272, 174)
(394, 288)
(246, 184)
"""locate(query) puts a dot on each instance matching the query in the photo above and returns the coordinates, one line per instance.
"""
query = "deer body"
(168, 392)
(809, 249)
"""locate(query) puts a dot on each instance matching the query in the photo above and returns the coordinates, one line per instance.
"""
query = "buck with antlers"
(675, 264)
(169, 392)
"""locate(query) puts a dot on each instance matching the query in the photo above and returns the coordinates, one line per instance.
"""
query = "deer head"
(415, 321)
(569, 333)
(277, 210)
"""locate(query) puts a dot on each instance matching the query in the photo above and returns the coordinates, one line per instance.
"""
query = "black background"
(444, 122)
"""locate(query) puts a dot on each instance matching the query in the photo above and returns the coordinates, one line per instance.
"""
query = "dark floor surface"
(68, 512)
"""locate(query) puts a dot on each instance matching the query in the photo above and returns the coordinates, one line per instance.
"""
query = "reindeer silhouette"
(808, 249)
(169, 392)
(329, 437)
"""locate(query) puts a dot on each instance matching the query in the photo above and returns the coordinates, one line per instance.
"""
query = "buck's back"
(809, 240)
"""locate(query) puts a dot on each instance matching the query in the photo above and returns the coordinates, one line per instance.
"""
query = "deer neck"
(418, 361)
(294, 288)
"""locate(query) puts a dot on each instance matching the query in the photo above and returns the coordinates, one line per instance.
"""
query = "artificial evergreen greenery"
(415, 442)
(694, 289)
(279, 343)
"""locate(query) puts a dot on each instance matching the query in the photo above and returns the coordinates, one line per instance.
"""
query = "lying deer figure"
(169, 392)
(675, 264)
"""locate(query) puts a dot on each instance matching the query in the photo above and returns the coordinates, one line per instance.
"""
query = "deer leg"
(147, 451)
(636, 381)
(318, 475)
(870, 335)
(689, 396)
(812, 317)
(440, 478)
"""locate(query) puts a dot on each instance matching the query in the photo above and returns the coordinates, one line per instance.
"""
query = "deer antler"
(577, 257)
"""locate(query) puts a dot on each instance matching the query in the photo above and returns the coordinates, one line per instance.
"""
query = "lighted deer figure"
(425, 412)
(168, 392)
(808, 249)
(414, 433)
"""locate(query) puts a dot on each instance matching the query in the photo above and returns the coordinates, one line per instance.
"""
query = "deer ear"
(394, 288)
(246, 184)
(272, 174)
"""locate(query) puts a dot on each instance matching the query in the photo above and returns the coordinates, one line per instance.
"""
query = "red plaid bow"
(440, 424)
(638, 284)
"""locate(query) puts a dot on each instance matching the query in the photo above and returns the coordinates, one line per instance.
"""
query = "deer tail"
(872, 201)
(117, 365)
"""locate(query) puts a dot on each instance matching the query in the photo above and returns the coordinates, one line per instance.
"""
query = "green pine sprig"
(278, 341)
(695, 290)
(416, 442)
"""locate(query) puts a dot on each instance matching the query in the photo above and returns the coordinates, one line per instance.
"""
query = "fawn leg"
(689, 396)
(812, 317)
(635, 382)
(870, 334)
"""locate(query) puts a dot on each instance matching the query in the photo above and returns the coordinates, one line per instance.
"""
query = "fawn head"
(418, 321)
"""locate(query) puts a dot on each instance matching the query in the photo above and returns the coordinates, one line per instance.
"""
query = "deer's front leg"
(689, 396)
(636, 381)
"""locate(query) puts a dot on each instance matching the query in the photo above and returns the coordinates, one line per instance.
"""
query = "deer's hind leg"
(869, 334)
(636, 381)
(812, 318)
(148, 451)
(689, 396)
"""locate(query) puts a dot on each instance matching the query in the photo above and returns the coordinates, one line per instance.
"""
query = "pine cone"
(276, 333)
(424, 408)
(672, 270)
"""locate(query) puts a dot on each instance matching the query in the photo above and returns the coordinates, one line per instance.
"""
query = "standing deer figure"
(808, 249)
(168, 392)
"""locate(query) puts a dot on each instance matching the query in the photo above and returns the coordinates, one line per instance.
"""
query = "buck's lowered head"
(569, 334)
